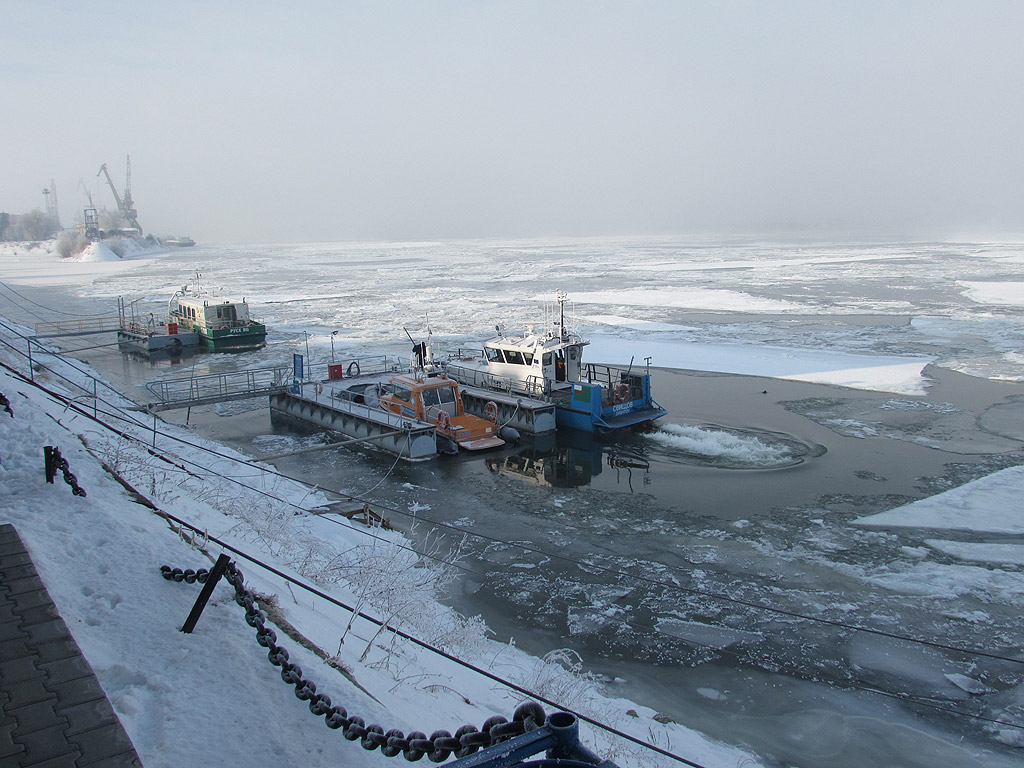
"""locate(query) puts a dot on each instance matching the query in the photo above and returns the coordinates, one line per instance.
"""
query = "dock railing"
(217, 387)
(77, 327)
(357, 366)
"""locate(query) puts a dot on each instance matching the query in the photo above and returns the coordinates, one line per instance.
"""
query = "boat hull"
(234, 339)
(149, 343)
(587, 407)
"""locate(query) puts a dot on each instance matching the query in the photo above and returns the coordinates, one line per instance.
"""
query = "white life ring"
(444, 423)
(491, 411)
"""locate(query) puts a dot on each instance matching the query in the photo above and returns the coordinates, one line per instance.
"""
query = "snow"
(692, 298)
(211, 697)
(96, 252)
(1004, 293)
(989, 505)
(899, 375)
(39, 264)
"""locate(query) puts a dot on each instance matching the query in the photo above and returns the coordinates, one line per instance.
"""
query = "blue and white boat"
(548, 365)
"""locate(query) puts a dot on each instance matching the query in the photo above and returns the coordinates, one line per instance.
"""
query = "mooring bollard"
(211, 581)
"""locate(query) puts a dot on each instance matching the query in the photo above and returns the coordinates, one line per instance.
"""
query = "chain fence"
(439, 746)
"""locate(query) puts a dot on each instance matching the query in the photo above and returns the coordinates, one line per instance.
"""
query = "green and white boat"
(223, 324)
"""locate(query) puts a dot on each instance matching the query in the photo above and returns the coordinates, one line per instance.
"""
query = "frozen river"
(717, 568)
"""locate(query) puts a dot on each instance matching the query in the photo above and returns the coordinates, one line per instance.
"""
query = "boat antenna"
(561, 297)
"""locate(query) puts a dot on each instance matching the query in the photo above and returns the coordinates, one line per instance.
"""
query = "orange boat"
(436, 400)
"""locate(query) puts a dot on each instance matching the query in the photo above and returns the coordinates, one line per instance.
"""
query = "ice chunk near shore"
(968, 684)
(988, 504)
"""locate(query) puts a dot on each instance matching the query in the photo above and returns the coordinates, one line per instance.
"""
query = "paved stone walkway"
(53, 712)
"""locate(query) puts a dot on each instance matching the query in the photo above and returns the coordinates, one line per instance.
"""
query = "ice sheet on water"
(988, 504)
(706, 635)
(1007, 554)
(994, 292)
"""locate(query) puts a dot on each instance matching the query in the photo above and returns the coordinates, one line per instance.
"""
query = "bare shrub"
(71, 243)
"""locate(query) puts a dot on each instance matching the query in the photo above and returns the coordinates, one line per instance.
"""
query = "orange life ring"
(491, 411)
(443, 422)
(622, 393)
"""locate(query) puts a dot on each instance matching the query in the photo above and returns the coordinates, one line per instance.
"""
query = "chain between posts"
(54, 461)
(412, 746)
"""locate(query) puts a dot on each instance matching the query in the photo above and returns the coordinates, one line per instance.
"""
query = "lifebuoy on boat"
(622, 393)
(443, 422)
(491, 411)
(353, 366)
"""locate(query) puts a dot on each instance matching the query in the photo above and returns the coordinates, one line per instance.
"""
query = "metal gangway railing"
(79, 327)
(218, 387)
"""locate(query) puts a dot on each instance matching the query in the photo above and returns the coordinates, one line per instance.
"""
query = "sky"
(322, 121)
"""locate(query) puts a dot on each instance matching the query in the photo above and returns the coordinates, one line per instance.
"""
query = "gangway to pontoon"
(51, 329)
(193, 391)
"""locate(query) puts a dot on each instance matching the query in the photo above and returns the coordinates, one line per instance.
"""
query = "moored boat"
(149, 337)
(222, 324)
(437, 400)
(548, 365)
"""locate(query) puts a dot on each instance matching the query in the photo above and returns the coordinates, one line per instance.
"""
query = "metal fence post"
(211, 581)
(50, 462)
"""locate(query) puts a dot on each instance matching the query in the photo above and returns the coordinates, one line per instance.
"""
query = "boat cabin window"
(438, 396)
(493, 355)
(402, 393)
(514, 356)
(547, 358)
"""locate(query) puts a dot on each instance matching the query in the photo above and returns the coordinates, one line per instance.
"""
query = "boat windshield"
(438, 396)
(511, 356)
(401, 392)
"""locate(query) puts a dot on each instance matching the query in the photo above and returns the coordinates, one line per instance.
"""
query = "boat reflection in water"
(570, 465)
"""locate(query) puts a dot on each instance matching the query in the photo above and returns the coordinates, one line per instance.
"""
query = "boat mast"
(561, 297)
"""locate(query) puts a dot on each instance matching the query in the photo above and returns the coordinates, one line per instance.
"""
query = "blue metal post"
(558, 737)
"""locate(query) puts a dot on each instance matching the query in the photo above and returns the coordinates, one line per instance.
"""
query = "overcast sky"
(315, 121)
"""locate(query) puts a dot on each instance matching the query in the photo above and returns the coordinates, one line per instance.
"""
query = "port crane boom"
(125, 204)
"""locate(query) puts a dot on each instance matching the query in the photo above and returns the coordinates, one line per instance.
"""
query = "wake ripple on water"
(729, 448)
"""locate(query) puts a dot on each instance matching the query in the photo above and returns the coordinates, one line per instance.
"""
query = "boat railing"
(380, 415)
(358, 366)
(619, 384)
(227, 323)
(473, 377)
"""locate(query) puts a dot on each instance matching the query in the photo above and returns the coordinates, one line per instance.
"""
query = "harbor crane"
(90, 216)
(52, 211)
(125, 204)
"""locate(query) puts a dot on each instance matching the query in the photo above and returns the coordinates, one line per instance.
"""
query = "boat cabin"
(436, 400)
(543, 361)
(209, 312)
